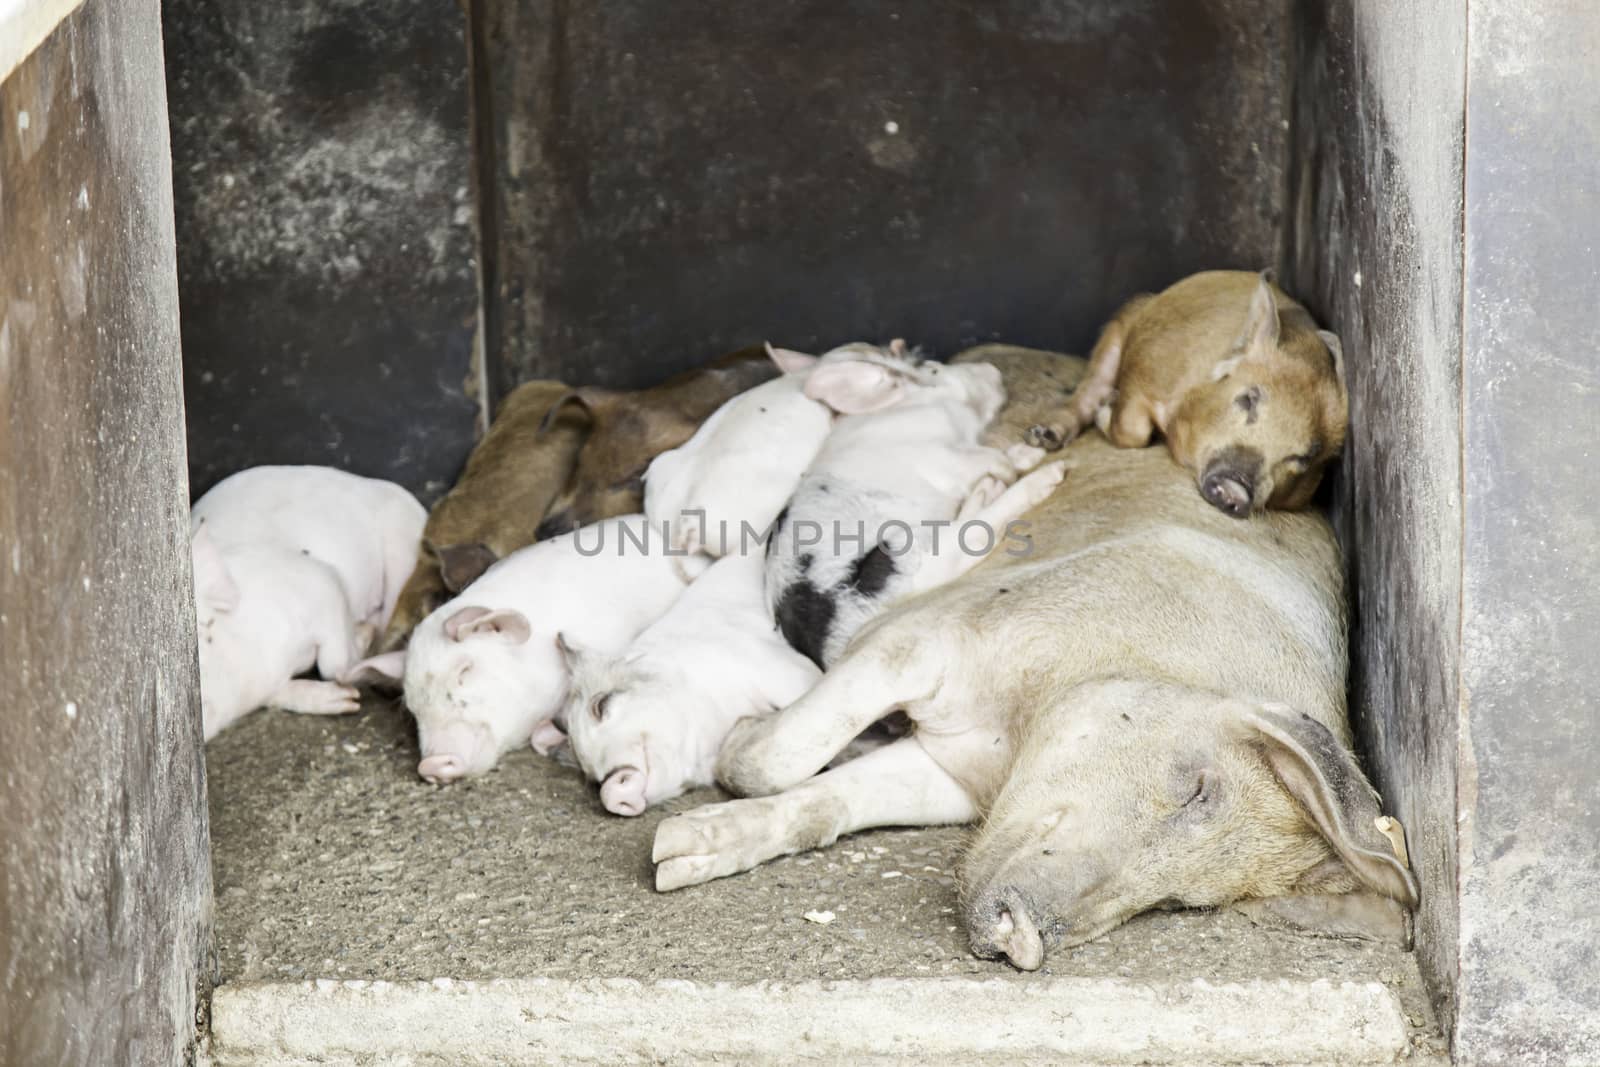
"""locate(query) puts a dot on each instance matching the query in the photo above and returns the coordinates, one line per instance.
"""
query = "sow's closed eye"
(1193, 791)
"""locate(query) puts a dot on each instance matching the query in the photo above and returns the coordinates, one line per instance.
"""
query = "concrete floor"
(366, 917)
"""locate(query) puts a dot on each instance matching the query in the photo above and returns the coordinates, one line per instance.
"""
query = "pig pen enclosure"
(389, 215)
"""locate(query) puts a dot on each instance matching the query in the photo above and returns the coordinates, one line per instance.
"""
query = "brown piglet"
(495, 507)
(629, 429)
(1234, 373)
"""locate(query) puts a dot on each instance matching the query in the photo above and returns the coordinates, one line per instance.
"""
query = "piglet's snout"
(454, 751)
(441, 769)
(622, 793)
(1227, 492)
(1229, 481)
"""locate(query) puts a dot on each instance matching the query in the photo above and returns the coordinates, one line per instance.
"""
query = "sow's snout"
(1002, 924)
(1037, 902)
(1229, 480)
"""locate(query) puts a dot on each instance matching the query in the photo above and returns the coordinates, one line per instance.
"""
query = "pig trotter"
(1025, 457)
(1049, 438)
(308, 697)
(744, 746)
(716, 841)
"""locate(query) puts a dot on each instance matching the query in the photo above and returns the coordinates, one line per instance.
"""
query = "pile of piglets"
(627, 575)
(639, 641)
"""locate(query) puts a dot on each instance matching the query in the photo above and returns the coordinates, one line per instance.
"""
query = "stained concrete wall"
(667, 181)
(1445, 193)
(325, 235)
(1529, 794)
(104, 860)
(1375, 204)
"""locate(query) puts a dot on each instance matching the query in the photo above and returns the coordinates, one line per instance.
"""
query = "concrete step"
(364, 917)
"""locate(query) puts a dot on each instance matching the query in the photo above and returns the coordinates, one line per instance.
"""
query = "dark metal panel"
(675, 180)
(1375, 234)
(105, 882)
(325, 242)
(1530, 766)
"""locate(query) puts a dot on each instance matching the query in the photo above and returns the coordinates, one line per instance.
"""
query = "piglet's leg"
(316, 698)
(877, 675)
(897, 785)
(1094, 392)
(981, 526)
(341, 642)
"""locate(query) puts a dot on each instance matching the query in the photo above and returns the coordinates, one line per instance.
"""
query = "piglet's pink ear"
(789, 361)
(855, 388)
(547, 737)
(386, 669)
(506, 625)
(213, 585)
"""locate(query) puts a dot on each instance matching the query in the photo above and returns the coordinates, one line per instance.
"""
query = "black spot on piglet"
(805, 615)
(870, 573)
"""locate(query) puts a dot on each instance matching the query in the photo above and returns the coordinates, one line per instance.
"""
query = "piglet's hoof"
(1025, 457)
(1046, 437)
(317, 698)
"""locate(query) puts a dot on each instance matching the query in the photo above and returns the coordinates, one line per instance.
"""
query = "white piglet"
(902, 496)
(719, 491)
(294, 567)
(483, 669)
(647, 724)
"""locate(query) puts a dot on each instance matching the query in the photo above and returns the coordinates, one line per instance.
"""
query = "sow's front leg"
(883, 671)
(897, 785)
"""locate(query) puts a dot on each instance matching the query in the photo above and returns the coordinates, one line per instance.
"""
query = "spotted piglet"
(901, 497)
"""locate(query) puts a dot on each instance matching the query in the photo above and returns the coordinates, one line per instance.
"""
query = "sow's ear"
(509, 626)
(855, 388)
(213, 585)
(461, 565)
(1324, 780)
(789, 361)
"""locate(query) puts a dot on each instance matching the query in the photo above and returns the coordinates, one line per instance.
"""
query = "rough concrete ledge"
(1059, 1020)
